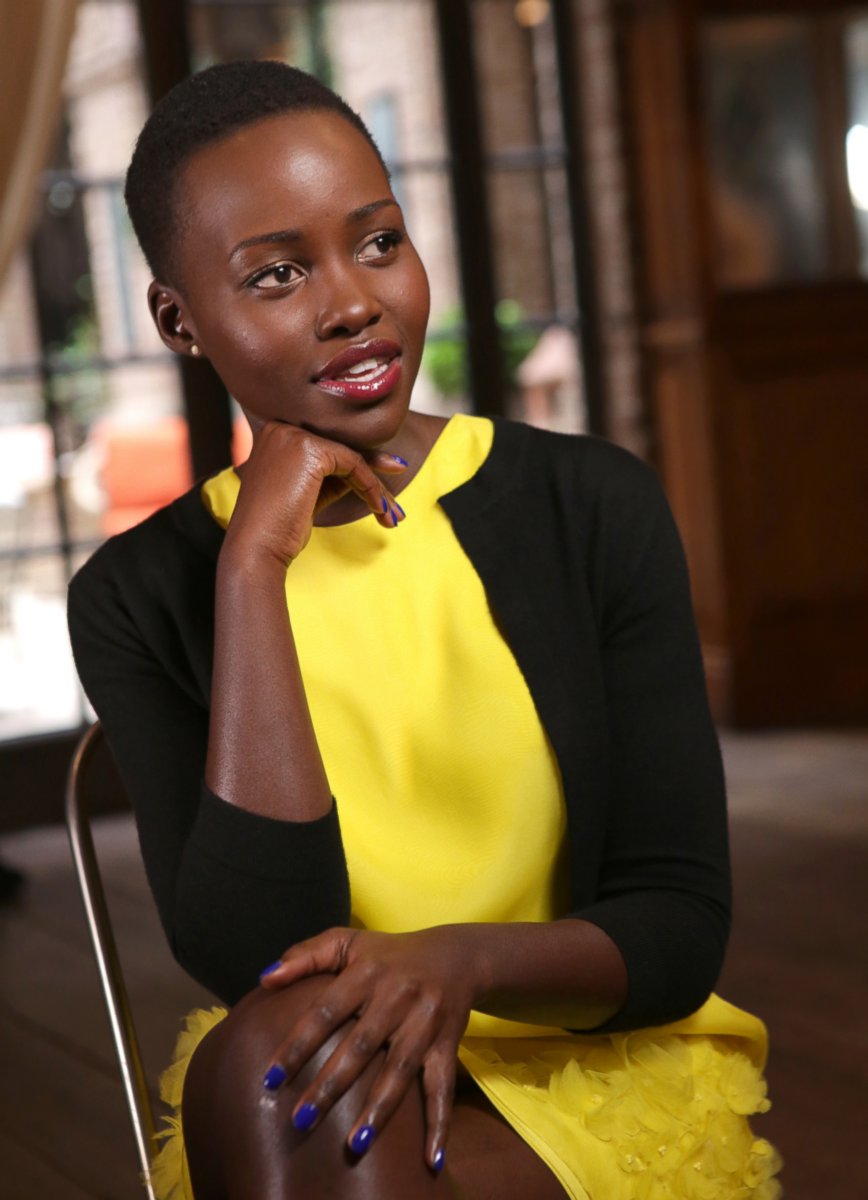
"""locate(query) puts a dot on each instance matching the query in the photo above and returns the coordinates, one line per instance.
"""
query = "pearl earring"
(194, 350)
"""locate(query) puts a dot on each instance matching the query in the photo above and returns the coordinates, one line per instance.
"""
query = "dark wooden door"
(749, 130)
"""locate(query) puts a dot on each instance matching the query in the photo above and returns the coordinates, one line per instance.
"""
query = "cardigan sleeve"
(663, 892)
(233, 889)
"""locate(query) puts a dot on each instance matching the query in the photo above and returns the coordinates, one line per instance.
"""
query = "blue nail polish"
(439, 1160)
(394, 516)
(385, 505)
(268, 970)
(400, 510)
(274, 1077)
(363, 1139)
(306, 1116)
(402, 461)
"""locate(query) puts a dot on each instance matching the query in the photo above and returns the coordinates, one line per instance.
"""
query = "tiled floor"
(799, 958)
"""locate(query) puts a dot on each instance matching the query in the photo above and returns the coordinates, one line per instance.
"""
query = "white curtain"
(34, 43)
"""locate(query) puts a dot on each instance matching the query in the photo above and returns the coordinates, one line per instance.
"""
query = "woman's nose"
(348, 306)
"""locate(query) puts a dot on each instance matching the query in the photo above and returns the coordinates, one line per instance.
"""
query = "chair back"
(108, 963)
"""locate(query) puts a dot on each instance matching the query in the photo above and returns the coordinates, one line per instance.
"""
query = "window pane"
(767, 194)
(83, 375)
(527, 188)
(38, 687)
(857, 133)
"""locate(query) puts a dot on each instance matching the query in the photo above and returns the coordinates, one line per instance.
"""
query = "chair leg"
(108, 963)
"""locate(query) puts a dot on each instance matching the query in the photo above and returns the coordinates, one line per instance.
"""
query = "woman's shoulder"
(584, 469)
(144, 601)
(177, 541)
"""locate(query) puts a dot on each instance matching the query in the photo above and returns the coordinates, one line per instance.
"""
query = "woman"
(474, 642)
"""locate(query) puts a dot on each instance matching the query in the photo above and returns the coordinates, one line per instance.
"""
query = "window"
(93, 434)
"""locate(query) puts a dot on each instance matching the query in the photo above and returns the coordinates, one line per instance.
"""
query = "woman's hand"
(411, 993)
(290, 477)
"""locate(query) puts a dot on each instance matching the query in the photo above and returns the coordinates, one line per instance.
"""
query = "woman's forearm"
(566, 973)
(262, 750)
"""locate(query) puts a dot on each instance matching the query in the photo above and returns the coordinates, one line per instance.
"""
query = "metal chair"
(108, 964)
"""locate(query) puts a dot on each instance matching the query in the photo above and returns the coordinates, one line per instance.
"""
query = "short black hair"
(203, 108)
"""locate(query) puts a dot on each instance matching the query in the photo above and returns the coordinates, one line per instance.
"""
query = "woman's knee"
(229, 1066)
(240, 1136)
(227, 1111)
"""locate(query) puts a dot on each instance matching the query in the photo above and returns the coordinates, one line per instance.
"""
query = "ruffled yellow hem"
(635, 1116)
(657, 1114)
(170, 1176)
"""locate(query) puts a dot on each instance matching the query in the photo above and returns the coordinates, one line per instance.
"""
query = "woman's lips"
(365, 389)
(364, 371)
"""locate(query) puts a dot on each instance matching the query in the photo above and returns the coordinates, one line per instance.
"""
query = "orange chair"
(145, 467)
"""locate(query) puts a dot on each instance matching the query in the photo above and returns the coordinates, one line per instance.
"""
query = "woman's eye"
(381, 245)
(274, 277)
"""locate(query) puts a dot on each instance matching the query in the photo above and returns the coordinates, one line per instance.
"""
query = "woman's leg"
(487, 1158)
(241, 1144)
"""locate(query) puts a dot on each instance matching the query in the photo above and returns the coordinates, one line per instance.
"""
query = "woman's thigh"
(241, 1143)
(487, 1158)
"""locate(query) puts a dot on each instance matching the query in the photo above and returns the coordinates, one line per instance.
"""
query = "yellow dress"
(436, 830)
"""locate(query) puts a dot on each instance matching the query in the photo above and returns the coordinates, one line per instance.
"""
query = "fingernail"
(394, 516)
(385, 505)
(363, 1139)
(439, 1159)
(402, 461)
(268, 970)
(306, 1116)
(274, 1077)
(400, 510)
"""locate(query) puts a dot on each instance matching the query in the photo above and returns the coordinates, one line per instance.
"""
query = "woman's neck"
(414, 443)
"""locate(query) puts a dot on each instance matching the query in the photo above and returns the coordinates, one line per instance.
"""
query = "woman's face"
(298, 280)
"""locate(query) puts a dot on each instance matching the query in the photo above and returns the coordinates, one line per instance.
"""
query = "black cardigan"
(575, 545)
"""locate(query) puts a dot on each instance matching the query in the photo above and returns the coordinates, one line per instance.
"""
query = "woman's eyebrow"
(297, 235)
(359, 214)
(259, 239)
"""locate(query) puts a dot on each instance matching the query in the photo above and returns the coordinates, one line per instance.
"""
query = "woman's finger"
(388, 464)
(355, 473)
(321, 955)
(361, 1043)
(438, 1082)
(400, 1072)
(332, 1009)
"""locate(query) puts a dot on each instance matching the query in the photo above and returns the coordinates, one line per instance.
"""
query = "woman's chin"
(366, 427)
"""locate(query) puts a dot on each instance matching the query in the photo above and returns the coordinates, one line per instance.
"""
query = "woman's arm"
(233, 887)
(262, 750)
(663, 888)
(414, 992)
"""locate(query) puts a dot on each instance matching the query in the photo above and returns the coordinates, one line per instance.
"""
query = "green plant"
(445, 357)
(78, 386)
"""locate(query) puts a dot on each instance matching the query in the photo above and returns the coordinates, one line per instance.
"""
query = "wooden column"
(656, 39)
(206, 404)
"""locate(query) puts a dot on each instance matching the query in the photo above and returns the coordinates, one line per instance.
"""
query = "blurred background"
(642, 219)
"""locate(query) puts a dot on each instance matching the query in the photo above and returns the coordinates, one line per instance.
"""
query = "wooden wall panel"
(791, 436)
(760, 405)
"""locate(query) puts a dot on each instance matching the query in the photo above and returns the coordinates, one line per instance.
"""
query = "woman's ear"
(173, 326)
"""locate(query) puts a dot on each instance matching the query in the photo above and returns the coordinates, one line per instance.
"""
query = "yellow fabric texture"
(437, 829)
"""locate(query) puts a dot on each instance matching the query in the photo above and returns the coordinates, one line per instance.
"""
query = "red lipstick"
(365, 371)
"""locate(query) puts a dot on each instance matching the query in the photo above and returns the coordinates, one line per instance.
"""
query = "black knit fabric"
(582, 564)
